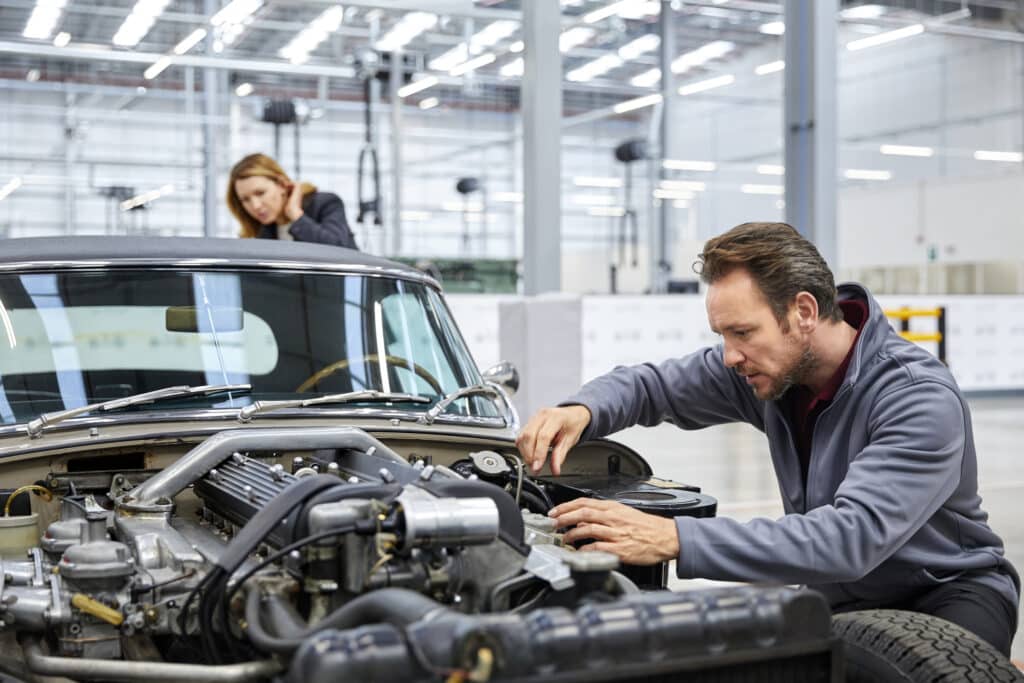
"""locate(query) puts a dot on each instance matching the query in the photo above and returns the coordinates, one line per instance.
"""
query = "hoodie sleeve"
(893, 486)
(330, 226)
(691, 392)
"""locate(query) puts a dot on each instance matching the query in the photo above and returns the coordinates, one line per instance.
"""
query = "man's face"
(755, 345)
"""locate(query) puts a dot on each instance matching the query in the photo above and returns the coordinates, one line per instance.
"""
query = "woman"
(270, 206)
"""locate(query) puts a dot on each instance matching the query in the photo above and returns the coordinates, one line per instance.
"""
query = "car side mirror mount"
(505, 375)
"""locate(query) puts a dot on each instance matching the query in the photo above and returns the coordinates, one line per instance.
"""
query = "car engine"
(349, 563)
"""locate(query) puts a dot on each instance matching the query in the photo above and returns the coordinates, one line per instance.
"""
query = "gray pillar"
(810, 121)
(70, 133)
(542, 153)
(210, 95)
(396, 154)
(661, 260)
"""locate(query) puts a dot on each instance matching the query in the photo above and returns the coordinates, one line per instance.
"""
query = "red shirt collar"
(855, 314)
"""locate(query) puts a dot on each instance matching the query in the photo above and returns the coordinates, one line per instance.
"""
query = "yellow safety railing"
(905, 313)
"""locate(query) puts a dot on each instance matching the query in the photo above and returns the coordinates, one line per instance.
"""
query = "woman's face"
(262, 198)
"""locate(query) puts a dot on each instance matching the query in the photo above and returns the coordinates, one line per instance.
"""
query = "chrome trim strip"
(222, 264)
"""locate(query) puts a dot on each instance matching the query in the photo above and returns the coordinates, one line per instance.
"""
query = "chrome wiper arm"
(35, 427)
(486, 389)
(246, 414)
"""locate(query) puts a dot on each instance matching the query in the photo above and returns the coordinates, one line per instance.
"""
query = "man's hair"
(779, 259)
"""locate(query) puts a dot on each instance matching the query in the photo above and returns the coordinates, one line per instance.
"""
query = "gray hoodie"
(891, 504)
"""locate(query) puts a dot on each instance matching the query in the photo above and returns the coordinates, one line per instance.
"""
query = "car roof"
(134, 250)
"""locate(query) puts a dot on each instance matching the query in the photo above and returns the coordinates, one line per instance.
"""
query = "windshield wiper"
(486, 389)
(246, 413)
(35, 427)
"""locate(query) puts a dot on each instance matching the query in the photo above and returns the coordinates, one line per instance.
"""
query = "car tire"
(885, 646)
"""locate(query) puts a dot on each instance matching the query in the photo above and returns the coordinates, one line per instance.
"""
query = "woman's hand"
(293, 204)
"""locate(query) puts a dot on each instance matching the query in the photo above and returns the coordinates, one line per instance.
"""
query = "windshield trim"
(231, 414)
(192, 264)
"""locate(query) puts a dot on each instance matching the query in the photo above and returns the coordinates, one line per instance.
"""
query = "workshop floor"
(731, 463)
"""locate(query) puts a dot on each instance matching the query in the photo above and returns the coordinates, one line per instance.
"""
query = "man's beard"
(795, 374)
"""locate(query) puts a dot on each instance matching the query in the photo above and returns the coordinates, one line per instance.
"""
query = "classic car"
(245, 460)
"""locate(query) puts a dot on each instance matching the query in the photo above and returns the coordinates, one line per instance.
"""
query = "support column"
(210, 94)
(809, 131)
(395, 82)
(661, 249)
(542, 148)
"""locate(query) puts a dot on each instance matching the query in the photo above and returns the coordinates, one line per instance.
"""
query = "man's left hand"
(636, 537)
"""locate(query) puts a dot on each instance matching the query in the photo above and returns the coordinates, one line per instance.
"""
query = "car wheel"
(883, 646)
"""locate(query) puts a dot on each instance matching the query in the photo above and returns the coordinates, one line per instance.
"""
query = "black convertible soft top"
(117, 249)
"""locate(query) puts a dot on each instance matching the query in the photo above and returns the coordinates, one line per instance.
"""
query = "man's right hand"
(558, 429)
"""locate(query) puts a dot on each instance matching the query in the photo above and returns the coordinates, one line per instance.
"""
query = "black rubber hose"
(396, 606)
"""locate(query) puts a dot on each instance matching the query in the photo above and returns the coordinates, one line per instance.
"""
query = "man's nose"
(732, 356)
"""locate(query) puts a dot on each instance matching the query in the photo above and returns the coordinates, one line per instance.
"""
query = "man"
(869, 435)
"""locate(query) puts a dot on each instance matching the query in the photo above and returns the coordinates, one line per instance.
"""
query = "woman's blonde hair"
(251, 166)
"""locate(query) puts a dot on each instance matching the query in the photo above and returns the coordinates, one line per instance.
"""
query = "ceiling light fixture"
(771, 169)
(156, 68)
(429, 103)
(473, 64)
(770, 68)
(137, 24)
(190, 41)
(637, 103)
(887, 37)
(866, 174)
(417, 86)
(707, 84)
(687, 165)
(299, 48)
(773, 28)
(991, 155)
(62, 39)
(405, 30)
(596, 181)
(244, 90)
(44, 18)
(906, 150)
(514, 68)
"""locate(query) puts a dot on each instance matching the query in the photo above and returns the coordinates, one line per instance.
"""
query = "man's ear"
(806, 307)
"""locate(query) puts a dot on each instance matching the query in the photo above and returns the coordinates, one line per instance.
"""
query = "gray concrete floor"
(731, 463)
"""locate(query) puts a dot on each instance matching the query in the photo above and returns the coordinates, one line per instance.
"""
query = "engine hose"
(396, 606)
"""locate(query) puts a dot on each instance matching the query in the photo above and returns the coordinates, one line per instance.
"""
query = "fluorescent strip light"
(595, 181)
(678, 195)
(308, 39)
(906, 150)
(708, 84)
(771, 169)
(887, 37)
(417, 86)
(604, 12)
(517, 46)
(770, 68)
(762, 189)
(514, 68)
(643, 44)
(685, 165)
(646, 79)
(44, 18)
(416, 215)
(627, 9)
(235, 12)
(610, 211)
(156, 68)
(574, 37)
(12, 185)
(866, 174)
(492, 34)
(990, 155)
(597, 67)
(701, 56)
(688, 185)
(637, 103)
(473, 64)
(137, 24)
(429, 103)
(863, 12)
(405, 30)
(773, 28)
(593, 199)
(62, 39)
(146, 197)
(244, 90)
(510, 197)
(190, 41)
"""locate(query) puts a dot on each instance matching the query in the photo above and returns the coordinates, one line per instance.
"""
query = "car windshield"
(71, 338)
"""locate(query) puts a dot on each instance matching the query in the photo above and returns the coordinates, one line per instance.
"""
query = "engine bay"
(322, 553)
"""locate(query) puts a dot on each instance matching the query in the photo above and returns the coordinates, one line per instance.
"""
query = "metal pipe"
(156, 493)
(147, 672)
